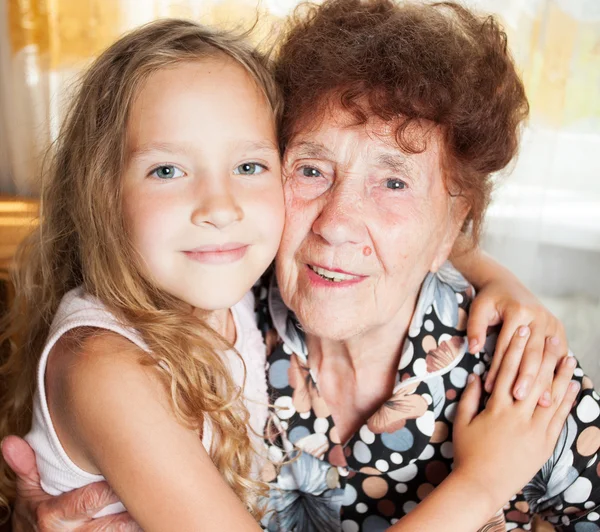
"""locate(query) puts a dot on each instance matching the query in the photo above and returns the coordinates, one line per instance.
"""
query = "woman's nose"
(340, 220)
(217, 207)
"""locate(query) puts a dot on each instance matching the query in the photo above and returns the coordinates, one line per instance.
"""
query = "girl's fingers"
(468, 406)
(554, 349)
(562, 412)
(510, 365)
(559, 386)
(531, 362)
(507, 333)
(481, 315)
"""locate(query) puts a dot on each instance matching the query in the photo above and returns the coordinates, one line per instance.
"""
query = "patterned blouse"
(405, 449)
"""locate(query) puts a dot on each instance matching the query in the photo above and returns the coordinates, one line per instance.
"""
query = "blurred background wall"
(544, 222)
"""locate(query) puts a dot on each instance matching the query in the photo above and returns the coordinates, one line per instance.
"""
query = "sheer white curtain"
(544, 222)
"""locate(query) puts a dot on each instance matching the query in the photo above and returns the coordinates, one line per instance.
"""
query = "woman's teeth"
(335, 277)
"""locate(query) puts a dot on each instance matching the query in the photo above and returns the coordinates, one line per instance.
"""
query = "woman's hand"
(506, 300)
(36, 510)
(505, 445)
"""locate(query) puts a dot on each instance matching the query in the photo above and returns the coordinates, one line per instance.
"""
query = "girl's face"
(202, 191)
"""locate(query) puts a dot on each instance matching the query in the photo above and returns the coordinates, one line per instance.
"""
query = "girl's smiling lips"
(218, 254)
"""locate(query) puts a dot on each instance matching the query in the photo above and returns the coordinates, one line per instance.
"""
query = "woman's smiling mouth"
(339, 277)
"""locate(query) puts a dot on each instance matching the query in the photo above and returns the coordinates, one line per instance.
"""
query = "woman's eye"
(395, 184)
(309, 171)
(249, 169)
(167, 171)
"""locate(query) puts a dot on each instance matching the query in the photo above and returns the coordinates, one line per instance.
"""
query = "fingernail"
(488, 386)
(547, 397)
(570, 362)
(523, 389)
(523, 331)
(470, 378)
(554, 340)
(574, 386)
(472, 345)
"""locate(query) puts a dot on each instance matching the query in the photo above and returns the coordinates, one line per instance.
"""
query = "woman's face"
(365, 223)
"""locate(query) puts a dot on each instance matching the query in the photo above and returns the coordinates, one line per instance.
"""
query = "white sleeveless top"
(58, 473)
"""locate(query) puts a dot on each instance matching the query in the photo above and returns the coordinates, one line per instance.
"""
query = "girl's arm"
(498, 450)
(502, 298)
(114, 417)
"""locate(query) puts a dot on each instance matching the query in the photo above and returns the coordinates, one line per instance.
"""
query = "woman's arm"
(502, 298)
(127, 431)
(496, 451)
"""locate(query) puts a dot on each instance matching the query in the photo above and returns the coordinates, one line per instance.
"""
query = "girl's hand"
(501, 448)
(497, 450)
(505, 300)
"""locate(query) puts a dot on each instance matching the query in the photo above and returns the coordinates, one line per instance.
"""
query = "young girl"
(163, 207)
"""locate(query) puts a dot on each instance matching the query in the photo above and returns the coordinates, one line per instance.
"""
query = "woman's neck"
(355, 376)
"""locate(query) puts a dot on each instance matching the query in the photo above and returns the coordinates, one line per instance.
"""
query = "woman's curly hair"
(408, 62)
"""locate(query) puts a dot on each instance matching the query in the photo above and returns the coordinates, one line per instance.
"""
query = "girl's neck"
(221, 321)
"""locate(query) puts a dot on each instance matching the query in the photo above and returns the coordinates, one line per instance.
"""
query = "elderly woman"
(395, 118)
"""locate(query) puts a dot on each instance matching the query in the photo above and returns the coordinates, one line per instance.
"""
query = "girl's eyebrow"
(262, 145)
(186, 149)
(165, 147)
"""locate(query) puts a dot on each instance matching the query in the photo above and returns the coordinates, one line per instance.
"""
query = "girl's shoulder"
(88, 373)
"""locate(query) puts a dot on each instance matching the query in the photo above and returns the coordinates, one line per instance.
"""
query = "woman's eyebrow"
(310, 150)
(396, 162)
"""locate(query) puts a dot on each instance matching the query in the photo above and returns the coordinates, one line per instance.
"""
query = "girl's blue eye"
(249, 169)
(395, 184)
(309, 171)
(167, 171)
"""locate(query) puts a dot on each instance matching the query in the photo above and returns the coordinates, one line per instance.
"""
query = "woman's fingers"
(510, 365)
(122, 522)
(468, 406)
(77, 506)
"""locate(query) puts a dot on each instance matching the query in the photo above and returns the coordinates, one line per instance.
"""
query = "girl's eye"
(167, 171)
(309, 171)
(395, 184)
(249, 169)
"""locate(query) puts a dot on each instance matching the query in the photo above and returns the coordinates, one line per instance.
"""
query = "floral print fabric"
(405, 449)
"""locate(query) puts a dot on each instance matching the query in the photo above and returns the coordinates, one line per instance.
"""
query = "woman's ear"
(457, 214)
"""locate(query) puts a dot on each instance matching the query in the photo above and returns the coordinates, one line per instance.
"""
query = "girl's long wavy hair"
(81, 240)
